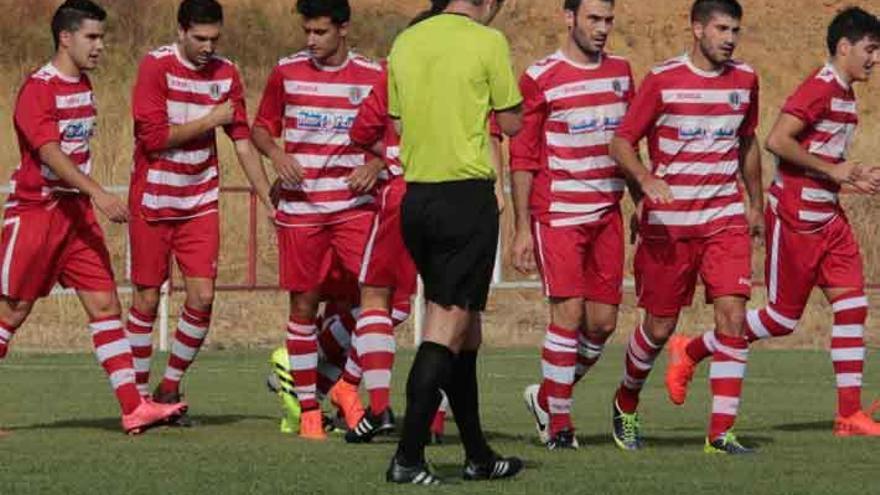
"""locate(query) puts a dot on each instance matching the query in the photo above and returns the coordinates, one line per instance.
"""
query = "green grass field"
(65, 436)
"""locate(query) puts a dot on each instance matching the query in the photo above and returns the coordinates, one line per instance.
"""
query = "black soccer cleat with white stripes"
(497, 468)
(371, 425)
(418, 474)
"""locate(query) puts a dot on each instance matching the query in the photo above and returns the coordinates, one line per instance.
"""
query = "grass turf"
(65, 435)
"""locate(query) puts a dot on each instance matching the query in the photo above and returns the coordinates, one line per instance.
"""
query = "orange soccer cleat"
(345, 397)
(150, 414)
(311, 425)
(860, 424)
(680, 370)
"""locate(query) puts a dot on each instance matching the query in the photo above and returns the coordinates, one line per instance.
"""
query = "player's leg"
(790, 272)
(842, 280)
(13, 313)
(666, 273)
(302, 268)
(561, 256)
(150, 253)
(600, 325)
(196, 245)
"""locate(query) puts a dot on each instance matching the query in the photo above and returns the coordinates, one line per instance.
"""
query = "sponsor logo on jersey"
(724, 133)
(78, 131)
(585, 125)
(691, 133)
(612, 123)
(320, 121)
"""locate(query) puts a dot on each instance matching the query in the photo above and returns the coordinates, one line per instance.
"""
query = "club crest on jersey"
(735, 100)
(617, 87)
(355, 95)
(214, 90)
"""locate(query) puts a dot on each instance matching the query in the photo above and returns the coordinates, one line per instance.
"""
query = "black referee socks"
(464, 400)
(431, 371)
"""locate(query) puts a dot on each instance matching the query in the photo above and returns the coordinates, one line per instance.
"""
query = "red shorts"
(61, 242)
(583, 261)
(339, 284)
(303, 251)
(387, 262)
(666, 270)
(798, 261)
(194, 243)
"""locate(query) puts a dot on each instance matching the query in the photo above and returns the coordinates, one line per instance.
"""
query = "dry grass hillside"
(782, 40)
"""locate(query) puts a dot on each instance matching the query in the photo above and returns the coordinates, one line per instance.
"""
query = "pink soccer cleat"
(150, 414)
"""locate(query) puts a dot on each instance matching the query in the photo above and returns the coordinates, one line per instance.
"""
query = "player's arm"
(150, 110)
(525, 161)
(750, 169)
(783, 143)
(268, 126)
(109, 204)
(35, 118)
(366, 133)
(624, 146)
(496, 155)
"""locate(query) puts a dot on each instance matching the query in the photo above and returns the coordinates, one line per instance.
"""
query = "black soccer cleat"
(497, 468)
(369, 426)
(410, 475)
(565, 439)
(626, 429)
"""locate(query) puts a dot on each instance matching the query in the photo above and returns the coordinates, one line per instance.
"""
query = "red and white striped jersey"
(314, 107)
(51, 107)
(570, 113)
(694, 121)
(827, 106)
(182, 182)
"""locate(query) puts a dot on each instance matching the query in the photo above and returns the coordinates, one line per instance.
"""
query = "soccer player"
(809, 239)
(567, 193)
(311, 100)
(699, 112)
(444, 76)
(183, 93)
(50, 230)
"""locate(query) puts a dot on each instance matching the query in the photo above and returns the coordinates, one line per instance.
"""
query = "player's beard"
(715, 54)
(582, 41)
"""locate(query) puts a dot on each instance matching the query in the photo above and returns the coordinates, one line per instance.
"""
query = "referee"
(446, 74)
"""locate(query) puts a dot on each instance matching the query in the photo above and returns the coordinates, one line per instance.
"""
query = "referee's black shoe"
(418, 474)
(495, 469)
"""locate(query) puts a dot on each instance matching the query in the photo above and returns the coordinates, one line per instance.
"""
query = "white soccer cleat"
(542, 418)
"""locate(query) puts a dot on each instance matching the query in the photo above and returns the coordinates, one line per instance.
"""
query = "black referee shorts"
(451, 231)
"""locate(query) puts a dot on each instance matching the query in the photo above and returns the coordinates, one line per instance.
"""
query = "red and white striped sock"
(114, 354)
(701, 347)
(769, 323)
(726, 374)
(400, 312)
(640, 356)
(352, 372)
(192, 328)
(375, 348)
(558, 362)
(589, 351)
(7, 331)
(302, 351)
(138, 330)
(848, 350)
(334, 342)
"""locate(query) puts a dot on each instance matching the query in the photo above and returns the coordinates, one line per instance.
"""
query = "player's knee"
(568, 313)
(146, 301)
(731, 321)
(602, 329)
(659, 329)
(201, 299)
(17, 312)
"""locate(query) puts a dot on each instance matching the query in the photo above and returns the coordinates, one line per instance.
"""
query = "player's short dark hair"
(339, 11)
(574, 5)
(703, 10)
(437, 7)
(192, 12)
(853, 24)
(70, 15)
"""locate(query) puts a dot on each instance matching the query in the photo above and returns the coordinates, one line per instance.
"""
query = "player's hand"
(363, 179)
(222, 114)
(755, 217)
(111, 206)
(499, 197)
(657, 190)
(868, 181)
(523, 251)
(288, 169)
